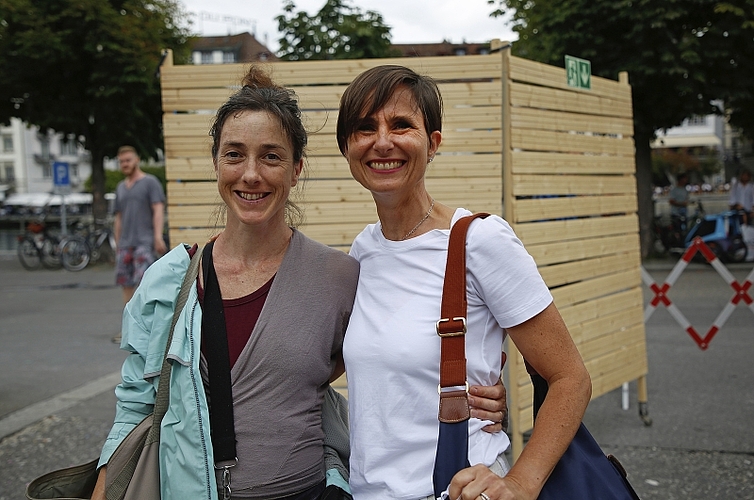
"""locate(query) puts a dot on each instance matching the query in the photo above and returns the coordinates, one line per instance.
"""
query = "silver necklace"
(431, 206)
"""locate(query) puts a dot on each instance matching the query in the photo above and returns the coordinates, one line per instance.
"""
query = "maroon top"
(241, 316)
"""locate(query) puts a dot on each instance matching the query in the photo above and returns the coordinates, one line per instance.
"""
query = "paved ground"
(58, 368)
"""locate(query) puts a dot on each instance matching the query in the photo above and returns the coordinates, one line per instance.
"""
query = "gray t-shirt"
(135, 207)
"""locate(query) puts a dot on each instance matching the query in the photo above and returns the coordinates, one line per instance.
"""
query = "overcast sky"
(420, 21)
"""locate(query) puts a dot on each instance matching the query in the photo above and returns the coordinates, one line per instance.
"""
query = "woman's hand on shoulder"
(490, 403)
(471, 482)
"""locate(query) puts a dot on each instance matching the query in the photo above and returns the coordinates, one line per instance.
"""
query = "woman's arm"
(546, 344)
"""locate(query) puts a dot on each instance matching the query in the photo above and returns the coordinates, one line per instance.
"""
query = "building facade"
(27, 155)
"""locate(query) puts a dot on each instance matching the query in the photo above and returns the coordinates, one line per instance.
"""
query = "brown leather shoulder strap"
(452, 325)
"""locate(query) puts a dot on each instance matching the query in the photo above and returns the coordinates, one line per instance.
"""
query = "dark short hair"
(371, 90)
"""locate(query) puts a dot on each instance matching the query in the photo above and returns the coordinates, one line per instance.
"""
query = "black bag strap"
(218, 364)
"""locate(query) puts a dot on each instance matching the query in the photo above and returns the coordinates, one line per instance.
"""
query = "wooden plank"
(624, 330)
(324, 97)
(582, 312)
(334, 191)
(331, 213)
(558, 252)
(197, 168)
(565, 142)
(608, 371)
(595, 288)
(532, 96)
(532, 233)
(477, 141)
(536, 162)
(474, 67)
(340, 235)
(576, 206)
(571, 272)
(335, 167)
(530, 185)
(544, 119)
(591, 335)
(611, 371)
(464, 118)
(552, 76)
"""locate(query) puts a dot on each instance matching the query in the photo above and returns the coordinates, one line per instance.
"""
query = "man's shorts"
(130, 265)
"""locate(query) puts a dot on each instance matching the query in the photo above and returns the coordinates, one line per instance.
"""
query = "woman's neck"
(403, 219)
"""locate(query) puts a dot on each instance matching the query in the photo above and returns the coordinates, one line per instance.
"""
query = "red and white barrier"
(742, 292)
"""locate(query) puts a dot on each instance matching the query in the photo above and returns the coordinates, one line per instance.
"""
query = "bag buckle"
(225, 491)
(456, 333)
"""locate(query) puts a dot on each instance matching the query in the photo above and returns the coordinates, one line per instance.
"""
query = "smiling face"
(389, 150)
(255, 169)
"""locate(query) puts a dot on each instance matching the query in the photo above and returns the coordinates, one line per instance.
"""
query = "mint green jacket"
(185, 444)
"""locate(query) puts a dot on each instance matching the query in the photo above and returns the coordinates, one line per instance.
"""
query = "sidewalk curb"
(19, 419)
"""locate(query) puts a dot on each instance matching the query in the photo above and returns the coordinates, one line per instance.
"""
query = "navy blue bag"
(583, 472)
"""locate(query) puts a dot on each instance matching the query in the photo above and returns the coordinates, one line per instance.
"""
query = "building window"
(10, 172)
(696, 121)
(68, 146)
(44, 146)
(229, 57)
(47, 171)
(7, 143)
(206, 57)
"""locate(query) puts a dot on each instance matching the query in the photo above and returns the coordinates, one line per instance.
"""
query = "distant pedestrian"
(679, 197)
(742, 195)
(138, 226)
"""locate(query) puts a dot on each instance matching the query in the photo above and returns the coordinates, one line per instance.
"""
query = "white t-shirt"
(392, 351)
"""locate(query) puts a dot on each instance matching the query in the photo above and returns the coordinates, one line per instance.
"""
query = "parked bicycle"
(88, 244)
(39, 246)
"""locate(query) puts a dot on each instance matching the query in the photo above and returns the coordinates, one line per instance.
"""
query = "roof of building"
(443, 48)
(245, 45)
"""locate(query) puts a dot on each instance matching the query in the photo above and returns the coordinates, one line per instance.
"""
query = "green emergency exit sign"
(578, 72)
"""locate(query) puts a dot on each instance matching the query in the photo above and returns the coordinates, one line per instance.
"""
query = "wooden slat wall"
(570, 194)
(558, 163)
(467, 171)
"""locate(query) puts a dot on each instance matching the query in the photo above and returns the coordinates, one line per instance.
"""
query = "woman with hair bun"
(286, 301)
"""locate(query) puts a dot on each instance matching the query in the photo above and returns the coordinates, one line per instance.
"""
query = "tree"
(680, 55)
(87, 68)
(337, 31)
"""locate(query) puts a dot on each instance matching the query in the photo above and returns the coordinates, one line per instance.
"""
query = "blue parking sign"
(60, 174)
(61, 178)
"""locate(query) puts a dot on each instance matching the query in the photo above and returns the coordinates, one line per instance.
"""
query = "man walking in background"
(139, 218)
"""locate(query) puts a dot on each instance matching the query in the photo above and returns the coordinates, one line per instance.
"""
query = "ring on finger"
(484, 496)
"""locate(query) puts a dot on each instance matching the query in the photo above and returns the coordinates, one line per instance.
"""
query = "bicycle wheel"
(74, 253)
(28, 254)
(51, 252)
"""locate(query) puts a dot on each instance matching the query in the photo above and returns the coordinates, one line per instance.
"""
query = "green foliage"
(337, 31)
(700, 161)
(680, 54)
(89, 68)
(113, 177)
